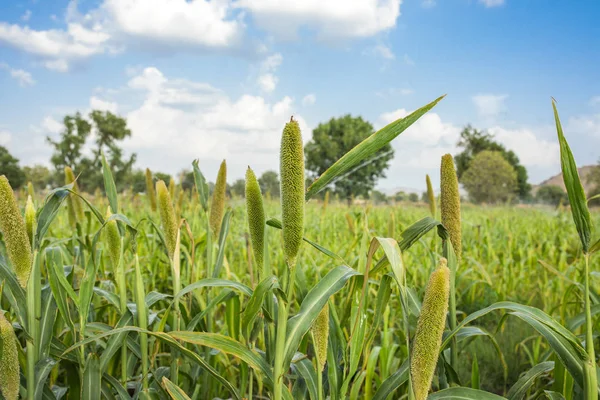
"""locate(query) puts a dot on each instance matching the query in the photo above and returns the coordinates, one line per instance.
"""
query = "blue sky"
(218, 79)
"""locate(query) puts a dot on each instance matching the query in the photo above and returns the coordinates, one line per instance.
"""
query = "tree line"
(486, 169)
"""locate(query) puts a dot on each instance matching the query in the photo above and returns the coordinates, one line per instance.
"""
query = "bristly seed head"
(450, 203)
(430, 196)
(217, 207)
(150, 189)
(167, 216)
(12, 225)
(320, 331)
(30, 218)
(113, 239)
(430, 327)
(9, 360)
(292, 190)
(256, 216)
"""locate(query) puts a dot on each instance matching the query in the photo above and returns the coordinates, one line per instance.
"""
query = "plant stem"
(33, 298)
(283, 310)
(120, 270)
(452, 263)
(591, 379)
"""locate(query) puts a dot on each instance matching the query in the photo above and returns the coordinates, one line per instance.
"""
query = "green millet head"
(150, 189)
(30, 189)
(430, 196)
(12, 225)
(256, 216)
(30, 218)
(167, 216)
(113, 239)
(172, 187)
(292, 190)
(217, 206)
(9, 360)
(320, 331)
(74, 202)
(450, 203)
(430, 327)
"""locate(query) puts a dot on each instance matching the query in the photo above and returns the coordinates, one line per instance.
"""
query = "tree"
(238, 189)
(136, 181)
(269, 183)
(473, 142)
(109, 129)
(413, 197)
(9, 166)
(331, 140)
(490, 178)
(39, 175)
(161, 176)
(552, 194)
(378, 197)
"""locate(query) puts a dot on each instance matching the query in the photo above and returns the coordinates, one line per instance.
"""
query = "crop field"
(183, 294)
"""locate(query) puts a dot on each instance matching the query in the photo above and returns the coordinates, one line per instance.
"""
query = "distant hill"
(557, 180)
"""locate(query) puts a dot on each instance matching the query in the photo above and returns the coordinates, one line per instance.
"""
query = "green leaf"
(275, 223)
(61, 289)
(553, 395)
(42, 370)
(229, 346)
(92, 379)
(175, 391)
(566, 345)
(46, 324)
(393, 382)
(255, 303)
(526, 382)
(312, 305)
(115, 342)
(47, 213)
(367, 148)
(109, 186)
(13, 292)
(475, 381)
(307, 371)
(222, 237)
(459, 393)
(579, 208)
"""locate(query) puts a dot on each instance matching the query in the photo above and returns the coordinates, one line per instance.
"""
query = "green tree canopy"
(331, 140)
(552, 194)
(473, 142)
(238, 188)
(490, 178)
(109, 129)
(269, 183)
(9, 166)
(39, 175)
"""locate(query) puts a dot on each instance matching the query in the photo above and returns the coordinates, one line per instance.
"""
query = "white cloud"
(56, 48)
(492, 3)
(586, 124)
(26, 16)
(5, 137)
(595, 101)
(180, 120)
(384, 52)
(309, 99)
(102, 105)
(23, 77)
(531, 150)
(50, 125)
(173, 23)
(490, 105)
(332, 19)
(428, 3)
(267, 80)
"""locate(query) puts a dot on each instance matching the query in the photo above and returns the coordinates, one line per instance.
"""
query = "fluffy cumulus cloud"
(490, 105)
(102, 105)
(267, 80)
(332, 19)
(188, 25)
(181, 120)
(532, 150)
(23, 77)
